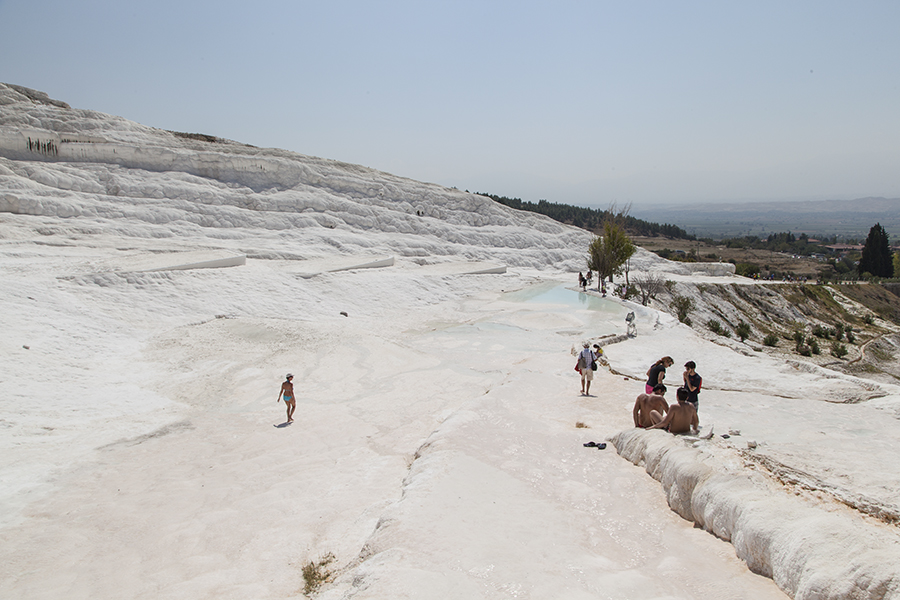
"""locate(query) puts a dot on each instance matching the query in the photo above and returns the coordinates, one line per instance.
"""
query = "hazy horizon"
(577, 103)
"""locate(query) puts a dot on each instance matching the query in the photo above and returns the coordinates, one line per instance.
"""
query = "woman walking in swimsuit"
(287, 391)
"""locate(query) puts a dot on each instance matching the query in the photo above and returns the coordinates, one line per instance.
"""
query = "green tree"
(599, 259)
(876, 255)
(608, 254)
(746, 269)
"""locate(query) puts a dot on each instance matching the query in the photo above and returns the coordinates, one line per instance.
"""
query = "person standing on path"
(657, 373)
(287, 392)
(692, 383)
(586, 359)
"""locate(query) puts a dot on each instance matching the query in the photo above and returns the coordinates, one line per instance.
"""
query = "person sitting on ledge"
(645, 404)
(681, 418)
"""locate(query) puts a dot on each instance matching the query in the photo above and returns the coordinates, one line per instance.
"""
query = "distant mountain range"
(846, 219)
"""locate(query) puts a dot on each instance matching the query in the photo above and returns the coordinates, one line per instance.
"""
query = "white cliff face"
(65, 162)
(811, 552)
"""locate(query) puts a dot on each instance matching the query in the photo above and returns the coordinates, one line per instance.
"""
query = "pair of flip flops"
(600, 446)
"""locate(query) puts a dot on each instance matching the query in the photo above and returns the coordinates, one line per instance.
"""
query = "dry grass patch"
(315, 574)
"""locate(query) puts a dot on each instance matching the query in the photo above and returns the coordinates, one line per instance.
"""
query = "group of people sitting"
(651, 411)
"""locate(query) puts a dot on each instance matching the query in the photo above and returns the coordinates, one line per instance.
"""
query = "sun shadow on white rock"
(179, 261)
(311, 268)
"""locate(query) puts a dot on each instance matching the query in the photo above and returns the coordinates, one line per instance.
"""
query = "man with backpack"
(692, 383)
(587, 364)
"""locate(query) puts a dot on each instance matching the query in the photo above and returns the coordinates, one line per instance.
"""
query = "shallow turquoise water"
(553, 293)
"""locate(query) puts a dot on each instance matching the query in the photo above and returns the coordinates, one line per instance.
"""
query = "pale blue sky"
(578, 102)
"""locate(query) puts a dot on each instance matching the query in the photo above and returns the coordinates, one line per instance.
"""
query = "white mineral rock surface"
(435, 452)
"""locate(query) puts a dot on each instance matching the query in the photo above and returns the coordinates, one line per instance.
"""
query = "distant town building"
(845, 248)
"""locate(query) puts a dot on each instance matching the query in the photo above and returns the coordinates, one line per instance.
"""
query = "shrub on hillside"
(805, 345)
(821, 332)
(746, 269)
(714, 326)
(742, 330)
(648, 286)
(771, 340)
(683, 305)
(798, 340)
(838, 350)
(627, 291)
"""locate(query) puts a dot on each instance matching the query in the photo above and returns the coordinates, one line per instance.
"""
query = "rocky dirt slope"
(871, 312)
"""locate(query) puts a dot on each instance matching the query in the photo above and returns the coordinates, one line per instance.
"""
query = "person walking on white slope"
(587, 364)
(287, 392)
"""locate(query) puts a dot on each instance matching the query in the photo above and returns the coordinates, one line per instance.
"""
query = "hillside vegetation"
(591, 219)
(854, 328)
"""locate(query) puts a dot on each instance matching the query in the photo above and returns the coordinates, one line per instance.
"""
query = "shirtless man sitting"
(645, 404)
(681, 418)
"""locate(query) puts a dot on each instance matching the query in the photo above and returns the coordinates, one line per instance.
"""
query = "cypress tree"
(876, 255)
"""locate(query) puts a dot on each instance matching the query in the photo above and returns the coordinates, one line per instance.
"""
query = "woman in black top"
(657, 372)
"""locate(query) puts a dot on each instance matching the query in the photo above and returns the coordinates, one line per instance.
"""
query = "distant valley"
(846, 219)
